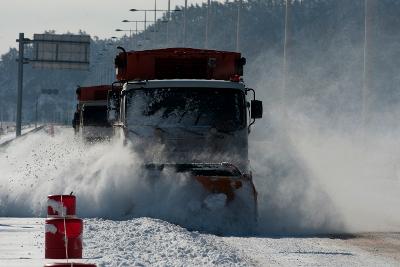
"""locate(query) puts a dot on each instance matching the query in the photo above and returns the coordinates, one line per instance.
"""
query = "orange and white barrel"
(61, 206)
(63, 238)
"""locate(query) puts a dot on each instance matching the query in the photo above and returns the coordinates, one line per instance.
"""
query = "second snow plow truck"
(188, 109)
(90, 118)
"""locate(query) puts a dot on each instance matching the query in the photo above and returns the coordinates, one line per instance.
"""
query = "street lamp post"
(113, 40)
(207, 23)
(131, 32)
(184, 24)
(136, 26)
(155, 22)
(145, 24)
(168, 18)
(125, 30)
(155, 10)
(240, 2)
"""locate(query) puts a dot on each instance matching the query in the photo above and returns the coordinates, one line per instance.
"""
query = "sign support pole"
(20, 83)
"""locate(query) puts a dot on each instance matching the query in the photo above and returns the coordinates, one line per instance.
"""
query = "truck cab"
(187, 120)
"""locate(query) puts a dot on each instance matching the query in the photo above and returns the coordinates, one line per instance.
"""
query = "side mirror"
(112, 106)
(256, 109)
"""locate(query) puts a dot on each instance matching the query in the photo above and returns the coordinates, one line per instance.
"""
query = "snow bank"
(151, 242)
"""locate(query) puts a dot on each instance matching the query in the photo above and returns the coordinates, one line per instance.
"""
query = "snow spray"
(313, 181)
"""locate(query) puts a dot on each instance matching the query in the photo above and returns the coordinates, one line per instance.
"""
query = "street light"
(142, 21)
(161, 10)
(123, 30)
(155, 10)
(207, 23)
(133, 21)
(184, 24)
(239, 7)
(125, 20)
(145, 19)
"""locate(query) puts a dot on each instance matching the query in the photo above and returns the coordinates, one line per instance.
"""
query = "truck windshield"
(221, 108)
(95, 116)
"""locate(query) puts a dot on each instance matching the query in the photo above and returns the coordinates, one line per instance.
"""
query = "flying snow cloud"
(108, 180)
(309, 182)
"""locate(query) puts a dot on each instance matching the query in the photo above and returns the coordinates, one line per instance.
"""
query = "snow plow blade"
(215, 178)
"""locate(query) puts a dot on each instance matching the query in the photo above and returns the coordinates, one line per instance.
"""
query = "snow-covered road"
(152, 242)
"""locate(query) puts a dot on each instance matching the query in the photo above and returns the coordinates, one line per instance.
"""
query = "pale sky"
(96, 17)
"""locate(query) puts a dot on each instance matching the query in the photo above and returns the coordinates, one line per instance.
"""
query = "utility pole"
(20, 83)
(207, 22)
(238, 24)
(184, 24)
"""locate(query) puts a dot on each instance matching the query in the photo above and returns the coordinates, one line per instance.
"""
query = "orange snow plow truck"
(90, 118)
(189, 110)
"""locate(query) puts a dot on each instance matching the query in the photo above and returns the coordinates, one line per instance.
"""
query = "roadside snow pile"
(152, 242)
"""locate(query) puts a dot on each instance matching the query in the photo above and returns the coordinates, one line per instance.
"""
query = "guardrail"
(6, 143)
